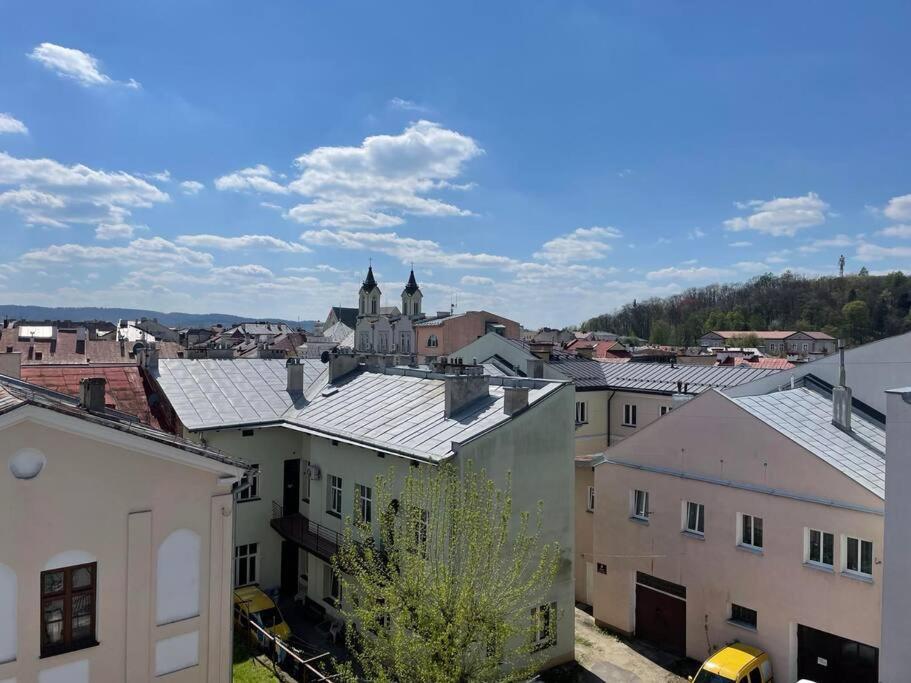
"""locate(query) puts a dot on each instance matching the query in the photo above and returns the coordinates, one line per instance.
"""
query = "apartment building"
(115, 545)
(446, 333)
(319, 434)
(777, 342)
(757, 519)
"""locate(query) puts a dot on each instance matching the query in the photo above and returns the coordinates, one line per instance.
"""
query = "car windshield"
(269, 617)
(709, 677)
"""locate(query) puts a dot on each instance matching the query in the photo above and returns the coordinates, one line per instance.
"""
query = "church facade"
(387, 329)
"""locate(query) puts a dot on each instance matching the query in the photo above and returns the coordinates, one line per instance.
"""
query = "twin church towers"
(386, 329)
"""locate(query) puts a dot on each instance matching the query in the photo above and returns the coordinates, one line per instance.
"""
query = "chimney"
(841, 395)
(534, 367)
(123, 348)
(584, 351)
(91, 393)
(295, 370)
(514, 399)
(463, 385)
(541, 349)
(149, 356)
(340, 364)
(11, 364)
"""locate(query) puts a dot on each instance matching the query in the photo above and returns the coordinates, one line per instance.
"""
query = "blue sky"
(549, 161)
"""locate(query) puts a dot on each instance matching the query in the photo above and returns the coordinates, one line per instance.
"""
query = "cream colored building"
(756, 519)
(115, 545)
(319, 435)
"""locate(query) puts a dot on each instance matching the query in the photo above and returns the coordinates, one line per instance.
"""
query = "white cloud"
(404, 248)
(900, 231)
(740, 245)
(623, 173)
(10, 124)
(583, 244)
(875, 252)
(75, 64)
(387, 176)
(162, 176)
(691, 273)
(696, 234)
(257, 178)
(139, 252)
(899, 208)
(406, 105)
(242, 242)
(250, 270)
(191, 187)
(113, 231)
(829, 243)
(782, 216)
(476, 280)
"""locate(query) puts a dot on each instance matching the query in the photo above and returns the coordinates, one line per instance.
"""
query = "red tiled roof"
(125, 389)
(768, 363)
(62, 350)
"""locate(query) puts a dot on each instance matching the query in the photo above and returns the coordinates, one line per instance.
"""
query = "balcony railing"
(312, 537)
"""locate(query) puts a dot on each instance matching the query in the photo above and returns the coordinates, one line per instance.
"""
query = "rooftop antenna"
(841, 362)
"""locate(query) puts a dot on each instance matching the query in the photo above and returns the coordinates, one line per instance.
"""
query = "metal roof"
(399, 409)
(211, 393)
(805, 417)
(15, 393)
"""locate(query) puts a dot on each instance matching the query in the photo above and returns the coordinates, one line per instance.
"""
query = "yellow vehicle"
(737, 663)
(251, 604)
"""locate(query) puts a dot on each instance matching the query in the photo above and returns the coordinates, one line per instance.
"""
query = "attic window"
(38, 355)
(247, 432)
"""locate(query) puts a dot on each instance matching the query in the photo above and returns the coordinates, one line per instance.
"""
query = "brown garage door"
(661, 613)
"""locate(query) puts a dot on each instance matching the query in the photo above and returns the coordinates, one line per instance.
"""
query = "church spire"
(412, 285)
(369, 283)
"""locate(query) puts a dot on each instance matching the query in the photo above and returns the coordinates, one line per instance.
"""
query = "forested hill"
(857, 307)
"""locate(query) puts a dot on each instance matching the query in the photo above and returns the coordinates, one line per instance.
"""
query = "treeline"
(858, 308)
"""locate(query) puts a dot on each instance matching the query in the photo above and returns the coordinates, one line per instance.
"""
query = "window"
(245, 564)
(248, 489)
(750, 532)
(306, 487)
(334, 495)
(433, 341)
(629, 415)
(664, 410)
(544, 625)
(820, 548)
(364, 504)
(640, 504)
(858, 556)
(373, 306)
(581, 412)
(806, 347)
(744, 616)
(333, 588)
(590, 501)
(694, 518)
(755, 676)
(365, 341)
(68, 608)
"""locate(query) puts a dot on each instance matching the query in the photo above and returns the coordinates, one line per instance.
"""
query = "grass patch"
(246, 669)
(585, 642)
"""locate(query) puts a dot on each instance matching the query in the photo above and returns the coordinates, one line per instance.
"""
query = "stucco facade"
(157, 523)
(445, 336)
(713, 453)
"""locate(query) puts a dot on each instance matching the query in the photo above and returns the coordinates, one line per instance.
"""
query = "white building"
(386, 329)
(319, 435)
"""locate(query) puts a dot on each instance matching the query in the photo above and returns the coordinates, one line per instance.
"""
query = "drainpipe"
(609, 399)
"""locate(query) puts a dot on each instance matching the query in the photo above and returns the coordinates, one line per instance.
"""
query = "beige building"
(115, 545)
(319, 435)
(758, 519)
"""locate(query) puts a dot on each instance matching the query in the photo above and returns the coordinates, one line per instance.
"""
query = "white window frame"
(581, 412)
(590, 499)
(742, 520)
(639, 505)
(334, 494)
(248, 558)
(250, 492)
(433, 341)
(544, 625)
(664, 410)
(629, 415)
(808, 531)
(845, 558)
(700, 513)
(363, 503)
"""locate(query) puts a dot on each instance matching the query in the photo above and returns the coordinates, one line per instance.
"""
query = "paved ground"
(602, 657)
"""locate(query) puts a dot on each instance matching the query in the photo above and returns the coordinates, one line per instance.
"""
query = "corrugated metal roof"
(210, 393)
(655, 377)
(805, 417)
(394, 410)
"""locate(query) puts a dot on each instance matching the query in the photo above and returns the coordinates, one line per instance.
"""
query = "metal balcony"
(312, 537)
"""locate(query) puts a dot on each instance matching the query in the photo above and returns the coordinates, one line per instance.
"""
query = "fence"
(298, 661)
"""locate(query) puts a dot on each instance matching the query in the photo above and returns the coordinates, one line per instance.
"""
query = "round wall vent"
(27, 463)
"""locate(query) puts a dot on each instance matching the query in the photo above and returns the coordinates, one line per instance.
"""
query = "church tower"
(411, 298)
(369, 298)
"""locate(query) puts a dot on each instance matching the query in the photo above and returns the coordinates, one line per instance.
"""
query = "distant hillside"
(858, 308)
(115, 314)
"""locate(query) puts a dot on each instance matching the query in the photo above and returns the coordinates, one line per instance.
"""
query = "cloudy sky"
(549, 161)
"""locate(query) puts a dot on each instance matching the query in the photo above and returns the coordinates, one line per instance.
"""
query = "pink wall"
(459, 331)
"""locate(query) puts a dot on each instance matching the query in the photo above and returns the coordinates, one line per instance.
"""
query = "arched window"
(8, 607)
(432, 340)
(177, 593)
(373, 306)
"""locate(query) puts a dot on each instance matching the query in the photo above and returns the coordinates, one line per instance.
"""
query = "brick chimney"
(841, 395)
(514, 399)
(295, 370)
(463, 384)
(540, 349)
(583, 350)
(340, 364)
(91, 393)
(11, 364)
